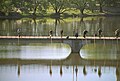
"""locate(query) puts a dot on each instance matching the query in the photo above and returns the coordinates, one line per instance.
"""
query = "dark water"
(55, 61)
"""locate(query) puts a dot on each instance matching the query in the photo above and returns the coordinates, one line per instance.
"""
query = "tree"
(59, 6)
(113, 3)
(91, 5)
(31, 6)
(22, 5)
(101, 3)
(80, 5)
(40, 6)
(6, 6)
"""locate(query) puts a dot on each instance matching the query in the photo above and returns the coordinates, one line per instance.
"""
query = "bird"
(50, 33)
(61, 33)
(67, 37)
(19, 32)
(76, 35)
(95, 35)
(84, 33)
(117, 32)
(99, 32)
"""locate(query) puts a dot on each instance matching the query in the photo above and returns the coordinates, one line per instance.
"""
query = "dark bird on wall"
(84, 33)
(99, 32)
(67, 37)
(76, 35)
(51, 33)
(19, 32)
(117, 32)
(61, 33)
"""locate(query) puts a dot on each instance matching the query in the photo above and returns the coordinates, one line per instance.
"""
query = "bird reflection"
(95, 70)
(99, 72)
(61, 70)
(76, 71)
(84, 70)
(50, 70)
(18, 72)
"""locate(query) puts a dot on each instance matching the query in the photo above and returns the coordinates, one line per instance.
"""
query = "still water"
(55, 61)
(51, 62)
(35, 51)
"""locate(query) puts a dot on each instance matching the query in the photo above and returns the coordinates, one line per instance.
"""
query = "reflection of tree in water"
(117, 73)
(82, 25)
(57, 21)
(35, 29)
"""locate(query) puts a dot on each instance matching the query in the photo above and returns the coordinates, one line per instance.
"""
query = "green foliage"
(81, 5)
(55, 7)
(59, 6)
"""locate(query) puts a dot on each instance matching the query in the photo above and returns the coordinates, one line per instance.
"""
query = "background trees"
(56, 7)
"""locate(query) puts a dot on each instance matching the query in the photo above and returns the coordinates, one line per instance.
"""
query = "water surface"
(35, 51)
(101, 51)
(54, 61)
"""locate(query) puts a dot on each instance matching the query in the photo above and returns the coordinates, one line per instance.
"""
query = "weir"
(75, 43)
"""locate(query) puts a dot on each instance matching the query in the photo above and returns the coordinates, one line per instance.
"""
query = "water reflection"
(84, 71)
(41, 27)
(50, 69)
(99, 71)
(18, 70)
(40, 72)
(100, 51)
(35, 51)
(73, 67)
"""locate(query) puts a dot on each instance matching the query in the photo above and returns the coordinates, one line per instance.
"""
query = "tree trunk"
(34, 13)
(57, 14)
(101, 10)
(82, 11)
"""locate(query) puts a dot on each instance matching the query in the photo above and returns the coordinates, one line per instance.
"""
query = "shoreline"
(77, 15)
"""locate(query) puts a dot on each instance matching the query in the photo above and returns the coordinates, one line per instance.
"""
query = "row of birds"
(117, 32)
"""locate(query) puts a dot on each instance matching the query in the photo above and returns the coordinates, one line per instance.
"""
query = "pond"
(36, 61)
